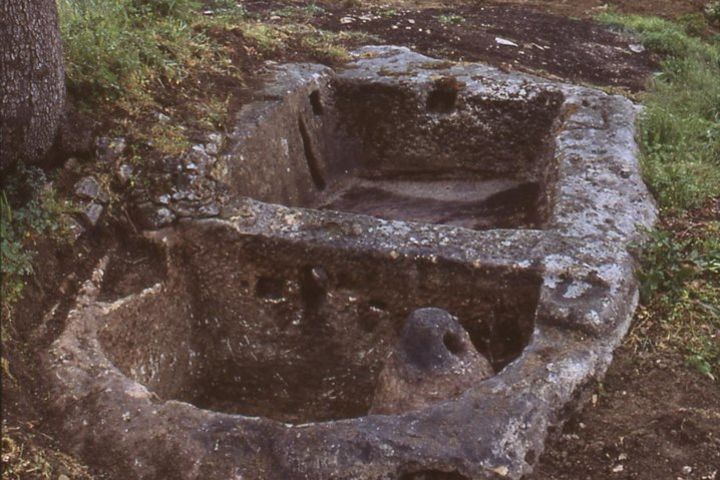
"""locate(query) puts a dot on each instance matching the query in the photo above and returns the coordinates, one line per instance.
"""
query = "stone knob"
(433, 360)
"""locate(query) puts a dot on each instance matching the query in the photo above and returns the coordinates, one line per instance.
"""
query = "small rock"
(75, 228)
(214, 143)
(502, 41)
(109, 149)
(618, 469)
(71, 164)
(198, 159)
(210, 210)
(165, 216)
(346, 20)
(502, 471)
(180, 195)
(687, 470)
(212, 148)
(88, 188)
(162, 118)
(636, 48)
(124, 173)
(152, 217)
(91, 213)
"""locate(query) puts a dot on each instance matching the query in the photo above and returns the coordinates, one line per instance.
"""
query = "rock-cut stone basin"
(413, 270)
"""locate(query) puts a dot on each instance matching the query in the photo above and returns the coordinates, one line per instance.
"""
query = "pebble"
(91, 213)
(109, 149)
(211, 209)
(72, 163)
(124, 173)
(89, 188)
(503, 41)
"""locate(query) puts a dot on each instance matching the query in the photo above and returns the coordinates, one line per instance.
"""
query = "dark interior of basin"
(433, 154)
(299, 333)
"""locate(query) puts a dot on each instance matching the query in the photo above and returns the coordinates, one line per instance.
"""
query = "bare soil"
(577, 50)
(652, 418)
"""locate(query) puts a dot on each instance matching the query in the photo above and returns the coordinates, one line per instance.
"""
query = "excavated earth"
(404, 269)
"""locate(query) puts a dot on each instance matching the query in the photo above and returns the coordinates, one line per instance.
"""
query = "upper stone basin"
(447, 150)
(344, 204)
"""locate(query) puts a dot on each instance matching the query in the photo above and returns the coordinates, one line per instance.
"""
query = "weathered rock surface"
(433, 360)
(343, 202)
(88, 188)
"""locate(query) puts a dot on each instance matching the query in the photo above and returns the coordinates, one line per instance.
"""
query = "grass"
(680, 276)
(123, 49)
(287, 39)
(29, 209)
(679, 134)
(680, 127)
(451, 19)
(120, 48)
(24, 457)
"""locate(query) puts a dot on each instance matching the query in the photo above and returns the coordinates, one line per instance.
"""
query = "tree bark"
(32, 80)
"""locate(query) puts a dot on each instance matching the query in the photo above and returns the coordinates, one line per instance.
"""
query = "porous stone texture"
(434, 359)
(336, 219)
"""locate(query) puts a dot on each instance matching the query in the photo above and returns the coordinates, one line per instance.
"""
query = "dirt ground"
(577, 50)
(653, 417)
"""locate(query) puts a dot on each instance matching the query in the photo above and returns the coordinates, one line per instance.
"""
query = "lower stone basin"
(298, 333)
(333, 321)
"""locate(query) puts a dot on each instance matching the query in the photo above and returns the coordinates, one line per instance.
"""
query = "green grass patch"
(680, 127)
(29, 208)
(679, 136)
(117, 48)
(271, 40)
(680, 277)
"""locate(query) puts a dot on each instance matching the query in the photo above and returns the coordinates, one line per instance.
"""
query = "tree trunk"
(32, 79)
